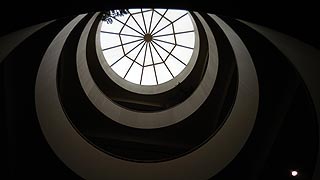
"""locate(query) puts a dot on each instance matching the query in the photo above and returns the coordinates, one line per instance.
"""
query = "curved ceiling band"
(145, 120)
(90, 163)
(298, 53)
(12, 40)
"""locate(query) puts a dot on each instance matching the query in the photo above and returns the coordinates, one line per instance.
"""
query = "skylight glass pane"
(140, 58)
(163, 23)
(155, 55)
(186, 39)
(109, 40)
(148, 60)
(122, 66)
(182, 54)
(163, 73)
(125, 38)
(139, 19)
(132, 23)
(133, 11)
(130, 30)
(148, 77)
(174, 65)
(174, 14)
(155, 19)
(130, 46)
(161, 11)
(166, 30)
(183, 24)
(147, 18)
(114, 27)
(164, 54)
(123, 18)
(113, 55)
(164, 45)
(134, 74)
(133, 54)
(169, 39)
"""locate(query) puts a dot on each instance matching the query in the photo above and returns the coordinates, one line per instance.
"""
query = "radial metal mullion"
(170, 53)
(168, 70)
(111, 47)
(163, 61)
(174, 33)
(132, 42)
(131, 35)
(122, 44)
(150, 22)
(126, 54)
(144, 22)
(154, 68)
(159, 21)
(173, 44)
(107, 32)
(144, 59)
(178, 59)
(157, 52)
(128, 26)
(164, 48)
(137, 23)
(164, 26)
(134, 58)
(128, 70)
(171, 23)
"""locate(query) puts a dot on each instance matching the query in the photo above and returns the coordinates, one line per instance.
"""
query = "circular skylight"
(147, 46)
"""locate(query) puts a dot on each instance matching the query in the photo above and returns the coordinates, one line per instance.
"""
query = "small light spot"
(294, 173)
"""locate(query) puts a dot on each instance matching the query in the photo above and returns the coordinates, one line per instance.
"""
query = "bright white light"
(133, 55)
(294, 173)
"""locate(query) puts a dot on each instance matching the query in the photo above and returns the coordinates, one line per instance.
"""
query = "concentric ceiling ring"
(69, 145)
(146, 120)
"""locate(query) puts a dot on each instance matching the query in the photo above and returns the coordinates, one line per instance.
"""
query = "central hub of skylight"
(147, 37)
(147, 46)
